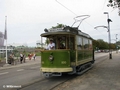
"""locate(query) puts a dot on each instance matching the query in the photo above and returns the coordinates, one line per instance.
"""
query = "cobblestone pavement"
(104, 76)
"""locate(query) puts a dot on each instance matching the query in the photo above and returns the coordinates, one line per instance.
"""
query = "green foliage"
(38, 53)
(100, 44)
(114, 4)
(59, 26)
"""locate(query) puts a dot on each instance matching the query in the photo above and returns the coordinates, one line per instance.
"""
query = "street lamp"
(100, 26)
(116, 37)
(109, 20)
(110, 55)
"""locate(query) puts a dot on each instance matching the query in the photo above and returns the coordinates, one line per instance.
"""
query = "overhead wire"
(104, 4)
(66, 8)
(76, 14)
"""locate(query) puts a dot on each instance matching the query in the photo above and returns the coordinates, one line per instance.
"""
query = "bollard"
(110, 56)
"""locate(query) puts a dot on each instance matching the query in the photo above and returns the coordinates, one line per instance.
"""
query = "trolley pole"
(109, 36)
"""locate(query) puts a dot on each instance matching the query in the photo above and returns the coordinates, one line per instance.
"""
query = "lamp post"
(110, 54)
(109, 20)
(116, 43)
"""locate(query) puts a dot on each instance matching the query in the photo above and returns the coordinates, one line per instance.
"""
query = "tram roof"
(67, 30)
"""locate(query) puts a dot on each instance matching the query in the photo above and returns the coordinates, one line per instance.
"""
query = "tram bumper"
(69, 69)
(49, 72)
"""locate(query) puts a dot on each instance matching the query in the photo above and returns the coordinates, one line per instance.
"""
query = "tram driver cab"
(60, 42)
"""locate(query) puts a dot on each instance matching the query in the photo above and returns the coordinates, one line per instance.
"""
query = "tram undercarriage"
(76, 70)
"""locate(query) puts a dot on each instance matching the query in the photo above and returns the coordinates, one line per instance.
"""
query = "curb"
(18, 65)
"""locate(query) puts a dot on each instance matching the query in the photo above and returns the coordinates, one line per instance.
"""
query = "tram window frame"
(71, 42)
(85, 43)
(90, 44)
(68, 39)
(79, 43)
(61, 42)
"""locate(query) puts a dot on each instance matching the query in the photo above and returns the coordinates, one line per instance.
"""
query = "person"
(21, 57)
(30, 56)
(62, 46)
(34, 56)
(24, 58)
(51, 44)
(11, 58)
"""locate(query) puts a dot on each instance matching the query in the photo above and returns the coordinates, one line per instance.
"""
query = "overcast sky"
(27, 19)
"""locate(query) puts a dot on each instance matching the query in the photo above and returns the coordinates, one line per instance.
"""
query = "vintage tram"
(73, 53)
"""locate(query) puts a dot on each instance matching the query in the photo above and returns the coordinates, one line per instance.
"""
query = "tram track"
(53, 82)
(47, 83)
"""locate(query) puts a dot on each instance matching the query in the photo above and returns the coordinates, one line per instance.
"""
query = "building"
(1, 39)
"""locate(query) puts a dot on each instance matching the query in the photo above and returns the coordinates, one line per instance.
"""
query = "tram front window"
(62, 42)
(51, 44)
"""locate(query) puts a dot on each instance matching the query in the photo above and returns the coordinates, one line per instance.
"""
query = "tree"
(96, 44)
(100, 44)
(115, 4)
(58, 26)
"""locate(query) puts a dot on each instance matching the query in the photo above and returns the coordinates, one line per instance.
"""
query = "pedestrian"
(24, 58)
(11, 58)
(30, 56)
(34, 56)
(21, 57)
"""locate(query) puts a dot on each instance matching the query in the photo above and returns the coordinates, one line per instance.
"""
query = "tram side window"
(90, 44)
(85, 43)
(79, 43)
(71, 43)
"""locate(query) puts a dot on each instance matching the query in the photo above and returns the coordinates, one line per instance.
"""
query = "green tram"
(73, 53)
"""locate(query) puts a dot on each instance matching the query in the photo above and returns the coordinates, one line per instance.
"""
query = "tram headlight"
(51, 57)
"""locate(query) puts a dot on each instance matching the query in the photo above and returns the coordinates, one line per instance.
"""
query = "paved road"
(19, 75)
(105, 75)
(51, 82)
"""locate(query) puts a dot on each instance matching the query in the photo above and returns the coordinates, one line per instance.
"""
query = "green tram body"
(73, 58)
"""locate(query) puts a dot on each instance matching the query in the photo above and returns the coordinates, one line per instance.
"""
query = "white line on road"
(20, 70)
(4, 73)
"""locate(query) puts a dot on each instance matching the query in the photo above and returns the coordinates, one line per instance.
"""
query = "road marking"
(34, 67)
(20, 70)
(4, 73)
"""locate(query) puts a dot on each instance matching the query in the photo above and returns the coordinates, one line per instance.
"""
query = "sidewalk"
(3, 64)
(103, 76)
